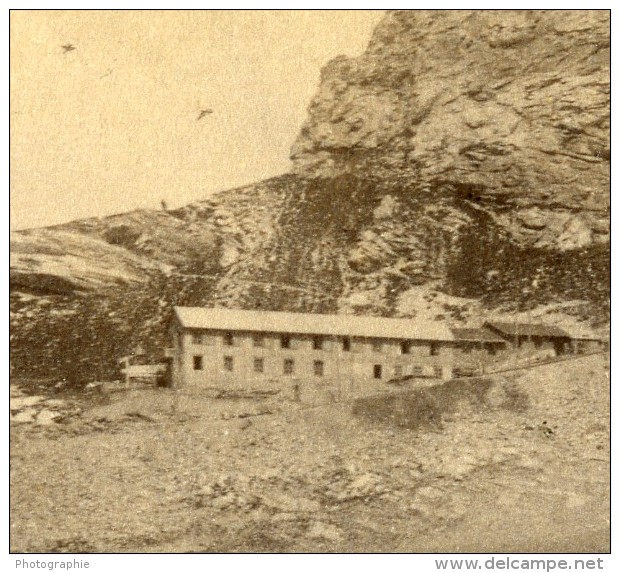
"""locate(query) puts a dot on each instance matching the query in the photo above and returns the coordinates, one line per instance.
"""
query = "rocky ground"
(158, 470)
(462, 161)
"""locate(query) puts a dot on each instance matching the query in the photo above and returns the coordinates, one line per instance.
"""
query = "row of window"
(317, 343)
(259, 365)
(318, 367)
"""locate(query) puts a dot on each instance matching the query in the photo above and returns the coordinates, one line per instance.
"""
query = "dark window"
(259, 365)
(491, 349)
(405, 347)
(346, 344)
(289, 366)
(228, 363)
(538, 342)
(197, 362)
(434, 349)
(317, 343)
(377, 346)
(229, 339)
(285, 341)
(259, 340)
(318, 367)
(196, 338)
(377, 371)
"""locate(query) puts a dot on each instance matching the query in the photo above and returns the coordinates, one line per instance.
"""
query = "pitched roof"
(320, 324)
(528, 329)
(581, 333)
(476, 335)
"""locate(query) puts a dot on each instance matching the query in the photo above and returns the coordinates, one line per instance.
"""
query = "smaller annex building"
(536, 338)
(584, 341)
(223, 347)
(530, 337)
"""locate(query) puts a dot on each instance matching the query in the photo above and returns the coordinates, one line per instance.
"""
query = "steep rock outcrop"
(512, 106)
(461, 163)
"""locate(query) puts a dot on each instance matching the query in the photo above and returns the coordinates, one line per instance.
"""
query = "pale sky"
(112, 125)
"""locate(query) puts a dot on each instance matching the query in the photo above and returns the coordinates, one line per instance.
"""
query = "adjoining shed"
(151, 373)
(584, 341)
(532, 336)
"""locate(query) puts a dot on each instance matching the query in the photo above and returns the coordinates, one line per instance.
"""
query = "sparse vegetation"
(435, 469)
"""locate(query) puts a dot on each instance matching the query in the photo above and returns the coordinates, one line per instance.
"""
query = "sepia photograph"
(310, 282)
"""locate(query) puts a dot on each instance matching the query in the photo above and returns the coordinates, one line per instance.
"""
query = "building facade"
(231, 348)
(237, 349)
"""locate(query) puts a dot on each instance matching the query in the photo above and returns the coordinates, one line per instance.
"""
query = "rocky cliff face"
(510, 108)
(494, 125)
(461, 164)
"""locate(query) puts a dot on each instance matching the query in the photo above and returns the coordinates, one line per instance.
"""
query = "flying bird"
(203, 113)
(68, 48)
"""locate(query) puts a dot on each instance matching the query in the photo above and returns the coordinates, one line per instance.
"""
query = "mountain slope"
(465, 154)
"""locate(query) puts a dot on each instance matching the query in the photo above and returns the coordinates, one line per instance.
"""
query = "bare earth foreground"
(159, 471)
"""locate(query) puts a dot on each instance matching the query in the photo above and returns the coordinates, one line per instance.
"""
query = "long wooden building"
(229, 348)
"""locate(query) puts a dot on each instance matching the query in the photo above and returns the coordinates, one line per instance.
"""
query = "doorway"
(559, 346)
(377, 371)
